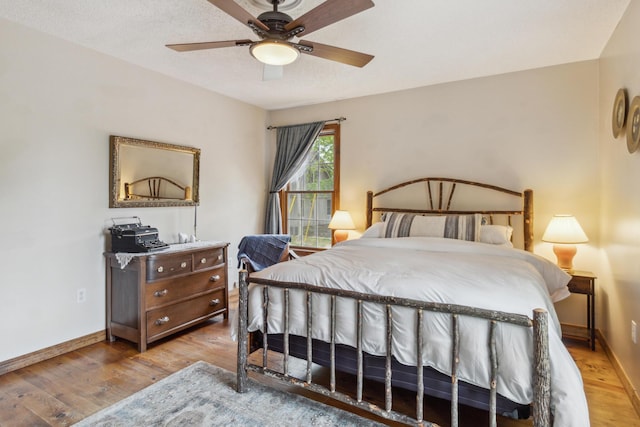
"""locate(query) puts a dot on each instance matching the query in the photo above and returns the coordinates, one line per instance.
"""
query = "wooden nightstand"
(584, 282)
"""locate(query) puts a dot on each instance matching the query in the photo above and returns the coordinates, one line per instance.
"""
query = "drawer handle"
(160, 269)
(203, 261)
(162, 320)
(220, 257)
(214, 302)
(214, 278)
(183, 265)
(161, 293)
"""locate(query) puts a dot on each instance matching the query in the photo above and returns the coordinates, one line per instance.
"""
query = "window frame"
(328, 129)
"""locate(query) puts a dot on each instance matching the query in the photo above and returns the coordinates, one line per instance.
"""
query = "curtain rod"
(339, 119)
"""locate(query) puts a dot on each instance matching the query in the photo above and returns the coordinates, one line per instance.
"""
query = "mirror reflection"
(147, 173)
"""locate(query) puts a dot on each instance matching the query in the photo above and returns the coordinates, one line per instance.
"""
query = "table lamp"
(340, 223)
(565, 232)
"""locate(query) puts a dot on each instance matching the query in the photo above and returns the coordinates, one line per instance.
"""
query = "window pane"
(310, 234)
(308, 206)
(297, 182)
(325, 149)
(326, 177)
(293, 203)
(324, 201)
(295, 232)
(294, 222)
(324, 234)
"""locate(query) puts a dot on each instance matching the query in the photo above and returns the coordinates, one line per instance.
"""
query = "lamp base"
(565, 254)
(340, 235)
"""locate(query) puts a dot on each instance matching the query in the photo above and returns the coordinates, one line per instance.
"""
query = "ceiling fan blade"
(327, 13)
(233, 9)
(346, 56)
(186, 47)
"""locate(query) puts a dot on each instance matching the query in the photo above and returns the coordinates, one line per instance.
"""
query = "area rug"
(204, 395)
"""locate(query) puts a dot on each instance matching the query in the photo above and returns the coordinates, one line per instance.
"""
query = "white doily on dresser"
(124, 258)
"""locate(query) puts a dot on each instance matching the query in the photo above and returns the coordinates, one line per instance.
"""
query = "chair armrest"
(293, 254)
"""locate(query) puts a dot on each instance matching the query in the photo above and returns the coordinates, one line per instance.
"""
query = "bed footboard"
(541, 367)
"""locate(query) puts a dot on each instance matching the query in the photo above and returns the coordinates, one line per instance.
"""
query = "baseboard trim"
(50, 352)
(624, 379)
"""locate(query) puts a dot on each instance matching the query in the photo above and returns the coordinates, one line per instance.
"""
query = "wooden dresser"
(153, 295)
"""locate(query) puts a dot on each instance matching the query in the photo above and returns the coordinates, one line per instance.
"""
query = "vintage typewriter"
(135, 237)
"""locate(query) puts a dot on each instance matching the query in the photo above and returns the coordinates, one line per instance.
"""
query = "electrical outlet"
(634, 332)
(81, 295)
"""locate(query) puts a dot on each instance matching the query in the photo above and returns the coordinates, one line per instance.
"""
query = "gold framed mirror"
(152, 174)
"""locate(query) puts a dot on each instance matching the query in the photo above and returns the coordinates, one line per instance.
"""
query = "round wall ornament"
(619, 112)
(633, 125)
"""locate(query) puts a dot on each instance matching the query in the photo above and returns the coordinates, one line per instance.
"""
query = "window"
(311, 197)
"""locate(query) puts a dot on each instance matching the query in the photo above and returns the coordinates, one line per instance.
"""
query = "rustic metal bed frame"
(444, 189)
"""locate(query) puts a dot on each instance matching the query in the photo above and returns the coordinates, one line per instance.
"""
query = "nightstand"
(584, 282)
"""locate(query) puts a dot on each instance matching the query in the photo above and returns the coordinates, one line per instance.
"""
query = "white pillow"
(374, 231)
(496, 234)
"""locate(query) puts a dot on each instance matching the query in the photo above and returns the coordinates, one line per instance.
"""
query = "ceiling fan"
(276, 29)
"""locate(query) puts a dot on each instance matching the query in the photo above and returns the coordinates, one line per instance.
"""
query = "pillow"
(397, 225)
(461, 227)
(496, 234)
(375, 231)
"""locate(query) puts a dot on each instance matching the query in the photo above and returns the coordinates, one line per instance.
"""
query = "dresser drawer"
(168, 291)
(164, 266)
(165, 320)
(208, 258)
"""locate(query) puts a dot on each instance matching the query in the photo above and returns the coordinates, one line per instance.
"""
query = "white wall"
(619, 293)
(58, 105)
(534, 129)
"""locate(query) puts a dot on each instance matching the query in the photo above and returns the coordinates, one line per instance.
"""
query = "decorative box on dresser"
(153, 295)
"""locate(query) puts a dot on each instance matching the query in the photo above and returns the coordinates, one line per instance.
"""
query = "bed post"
(528, 220)
(243, 334)
(369, 209)
(542, 371)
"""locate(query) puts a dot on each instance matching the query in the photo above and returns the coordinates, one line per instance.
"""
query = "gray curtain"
(293, 145)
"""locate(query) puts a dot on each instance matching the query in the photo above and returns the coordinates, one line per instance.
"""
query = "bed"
(441, 296)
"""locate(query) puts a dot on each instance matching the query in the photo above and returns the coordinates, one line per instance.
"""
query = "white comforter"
(439, 270)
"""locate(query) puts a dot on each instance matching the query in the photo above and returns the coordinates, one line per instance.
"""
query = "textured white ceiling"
(415, 42)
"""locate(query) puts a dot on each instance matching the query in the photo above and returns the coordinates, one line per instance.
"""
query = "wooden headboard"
(440, 200)
(151, 188)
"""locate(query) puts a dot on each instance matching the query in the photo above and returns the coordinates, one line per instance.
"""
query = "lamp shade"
(274, 52)
(564, 229)
(340, 223)
(341, 220)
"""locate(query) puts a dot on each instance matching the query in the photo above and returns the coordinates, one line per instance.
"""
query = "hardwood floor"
(67, 388)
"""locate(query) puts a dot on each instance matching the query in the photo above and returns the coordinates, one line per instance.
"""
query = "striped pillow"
(461, 227)
(398, 225)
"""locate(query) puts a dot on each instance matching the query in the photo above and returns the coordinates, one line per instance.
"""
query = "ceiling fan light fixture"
(274, 52)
